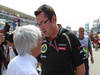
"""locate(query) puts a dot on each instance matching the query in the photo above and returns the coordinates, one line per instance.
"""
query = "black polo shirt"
(57, 57)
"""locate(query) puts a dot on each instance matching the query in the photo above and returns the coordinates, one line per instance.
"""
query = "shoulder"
(17, 67)
(70, 35)
(12, 63)
(12, 68)
(87, 38)
(67, 32)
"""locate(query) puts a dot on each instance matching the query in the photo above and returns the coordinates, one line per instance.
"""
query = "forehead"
(1, 34)
(40, 17)
(81, 29)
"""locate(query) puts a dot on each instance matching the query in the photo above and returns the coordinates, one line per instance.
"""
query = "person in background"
(57, 56)
(92, 38)
(6, 28)
(96, 42)
(12, 51)
(3, 60)
(27, 41)
(86, 44)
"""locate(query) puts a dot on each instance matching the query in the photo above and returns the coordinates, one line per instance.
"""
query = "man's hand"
(80, 70)
(92, 60)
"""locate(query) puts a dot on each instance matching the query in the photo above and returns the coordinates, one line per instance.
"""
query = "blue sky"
(74, 13)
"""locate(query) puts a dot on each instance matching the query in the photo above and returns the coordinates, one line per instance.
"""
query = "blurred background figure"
(6, 28)
(96, 42)
(86, 44)
(12, 51)
(3, 59)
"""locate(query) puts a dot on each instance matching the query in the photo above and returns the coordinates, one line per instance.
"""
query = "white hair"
(26, 38)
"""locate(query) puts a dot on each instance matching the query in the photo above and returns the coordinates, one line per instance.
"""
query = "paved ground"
(95, 68)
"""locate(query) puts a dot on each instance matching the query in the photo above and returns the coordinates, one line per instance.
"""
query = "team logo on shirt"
(43, 48)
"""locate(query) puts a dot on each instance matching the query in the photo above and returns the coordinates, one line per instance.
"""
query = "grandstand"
(10, 14)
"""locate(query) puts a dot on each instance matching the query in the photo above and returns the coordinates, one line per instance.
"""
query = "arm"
(90, 51)
(92, 59)
(77, 56)
(80, 70)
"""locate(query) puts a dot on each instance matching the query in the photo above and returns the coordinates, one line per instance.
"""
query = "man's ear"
(53, 19)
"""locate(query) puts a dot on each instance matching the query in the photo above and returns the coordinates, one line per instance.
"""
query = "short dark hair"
(48, 11)
(9, 37)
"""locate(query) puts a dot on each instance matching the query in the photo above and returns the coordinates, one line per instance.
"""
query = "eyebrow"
(41, 22)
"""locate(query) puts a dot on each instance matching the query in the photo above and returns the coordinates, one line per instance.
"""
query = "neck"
(81, 37)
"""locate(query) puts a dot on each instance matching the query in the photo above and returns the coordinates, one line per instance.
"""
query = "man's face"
(81, 32)
(37, 50)
(44, 24)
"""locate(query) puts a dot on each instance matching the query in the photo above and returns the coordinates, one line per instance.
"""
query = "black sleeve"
(39, 58)
(2, 57)
(15, 51)
(77, 58)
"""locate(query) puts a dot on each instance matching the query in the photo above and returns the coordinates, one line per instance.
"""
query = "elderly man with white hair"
(27, 41)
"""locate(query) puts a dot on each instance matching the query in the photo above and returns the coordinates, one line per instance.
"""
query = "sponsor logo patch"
(62, 48)
(43, 48)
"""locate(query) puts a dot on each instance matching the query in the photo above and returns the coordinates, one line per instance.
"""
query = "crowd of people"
(47, 44)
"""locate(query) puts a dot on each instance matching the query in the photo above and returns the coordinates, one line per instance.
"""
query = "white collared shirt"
(22, 65)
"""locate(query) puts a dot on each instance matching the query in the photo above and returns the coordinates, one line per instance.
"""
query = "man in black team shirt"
(58, 54)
